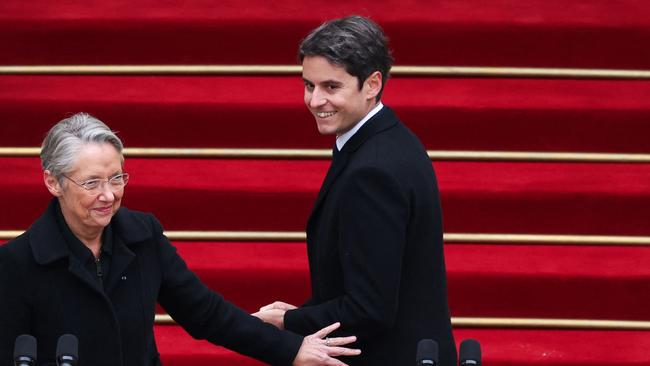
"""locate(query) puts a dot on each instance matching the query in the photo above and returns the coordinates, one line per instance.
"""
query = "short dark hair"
(356, 43)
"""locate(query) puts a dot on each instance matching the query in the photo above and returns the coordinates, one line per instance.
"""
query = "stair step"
(277, 195)
(535, 33)
(484, 281)
(268, 112)
(176, 347)
(503, 347)
(512, 281)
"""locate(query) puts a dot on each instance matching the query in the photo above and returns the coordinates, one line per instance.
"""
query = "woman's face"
(89, 211)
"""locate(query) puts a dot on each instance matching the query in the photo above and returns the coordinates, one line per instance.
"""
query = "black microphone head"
(25, 348)
(427, 353)
(67, 349)
(470, 353)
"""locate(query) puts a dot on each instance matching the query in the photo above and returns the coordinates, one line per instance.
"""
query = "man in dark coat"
(374, 237)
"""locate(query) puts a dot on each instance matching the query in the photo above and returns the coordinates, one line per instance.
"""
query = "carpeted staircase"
(536, 115)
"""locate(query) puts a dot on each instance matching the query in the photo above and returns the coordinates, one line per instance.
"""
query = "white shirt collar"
(342, 139)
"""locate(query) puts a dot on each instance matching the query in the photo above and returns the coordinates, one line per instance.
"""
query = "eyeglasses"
(115, 183)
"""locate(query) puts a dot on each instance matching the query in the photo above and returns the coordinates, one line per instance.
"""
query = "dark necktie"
(335, 153)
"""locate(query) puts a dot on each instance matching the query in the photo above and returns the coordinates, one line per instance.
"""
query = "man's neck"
(343, 138)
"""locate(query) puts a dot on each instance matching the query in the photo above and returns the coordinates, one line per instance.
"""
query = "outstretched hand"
(278, 305)
(318, 349)
(272, 316)
(274, 313)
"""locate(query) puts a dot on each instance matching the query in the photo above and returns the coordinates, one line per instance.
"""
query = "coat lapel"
(122, 258)
(384, 119)
(128, 230)
(48, 244)
(76, 268)
(45, 238)
(336, 167)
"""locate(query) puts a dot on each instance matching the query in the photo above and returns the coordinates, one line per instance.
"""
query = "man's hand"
(272, 316)
(318, 351)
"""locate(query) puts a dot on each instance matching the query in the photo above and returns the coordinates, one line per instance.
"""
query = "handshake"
(317, 348)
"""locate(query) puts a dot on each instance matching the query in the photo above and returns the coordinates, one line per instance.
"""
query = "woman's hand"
(318, 349)
(272, 316)
(274, 313)
(278, 305)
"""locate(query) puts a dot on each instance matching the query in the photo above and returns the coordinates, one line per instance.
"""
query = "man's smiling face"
(333, 96)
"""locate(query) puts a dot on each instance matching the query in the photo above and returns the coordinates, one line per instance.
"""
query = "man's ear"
(373, 85)
(52, 184)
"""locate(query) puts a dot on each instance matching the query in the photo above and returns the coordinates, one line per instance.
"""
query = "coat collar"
(383, 120)
(48, 244)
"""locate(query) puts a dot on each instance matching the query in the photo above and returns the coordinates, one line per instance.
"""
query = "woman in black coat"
(92, 269)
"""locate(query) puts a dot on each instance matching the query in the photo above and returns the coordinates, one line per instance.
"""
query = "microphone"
(427, 354)
(67, 349)
(470, 353)
(25, 350)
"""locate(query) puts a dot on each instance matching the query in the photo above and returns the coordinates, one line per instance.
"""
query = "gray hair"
(356, 43)
(65, 139)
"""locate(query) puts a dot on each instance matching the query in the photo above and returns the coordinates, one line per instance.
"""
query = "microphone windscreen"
(427, 353)
(25, 346)
(470, 352)
(68, 345)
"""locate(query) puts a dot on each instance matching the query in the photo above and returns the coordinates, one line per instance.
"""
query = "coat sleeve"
(206, 315)
(373, 212)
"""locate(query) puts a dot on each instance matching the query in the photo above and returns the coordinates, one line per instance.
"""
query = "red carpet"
(498, 280)
(238, 111)
(484, 280)
(555, 33)
(277, 195)
(503, 347)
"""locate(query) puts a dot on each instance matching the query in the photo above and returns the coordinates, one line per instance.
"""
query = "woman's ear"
(52, 184)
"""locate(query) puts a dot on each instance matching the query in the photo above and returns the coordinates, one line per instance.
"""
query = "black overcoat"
(46, 292)
(375, 249)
